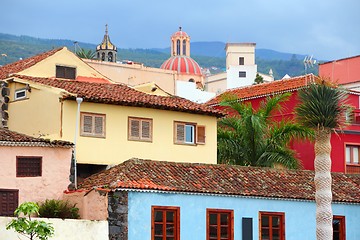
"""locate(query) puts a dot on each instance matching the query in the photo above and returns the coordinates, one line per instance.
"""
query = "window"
(272, 226)
(219, 224)
(241, 60)
(20, 94)
(189, 133)
(65, 72)
(165, 223)
(178, 47)
(242, 74)
(9, 200)
(92, 125)
(339, 228)
(28, 166)
(352, 159)
(184, 47)
(140, 129)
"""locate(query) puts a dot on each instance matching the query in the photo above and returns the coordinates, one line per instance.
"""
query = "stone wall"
(118, 215)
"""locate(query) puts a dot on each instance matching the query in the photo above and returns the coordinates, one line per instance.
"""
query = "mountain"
(207, 54)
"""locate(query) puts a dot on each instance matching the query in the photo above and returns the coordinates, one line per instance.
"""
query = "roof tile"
(11, 138)
(221, 179)
(21, 65)
(120, 94)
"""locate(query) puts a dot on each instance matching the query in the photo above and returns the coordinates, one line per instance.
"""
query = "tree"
(322, 107)
(31, 229)
(258, 79)
(253, 138)
(82, 53)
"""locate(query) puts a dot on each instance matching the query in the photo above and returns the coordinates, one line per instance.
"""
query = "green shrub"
(58, 209)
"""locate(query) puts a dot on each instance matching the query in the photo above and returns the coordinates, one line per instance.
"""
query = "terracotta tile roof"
(11, 138)
(21, 65)
(265, 89)
(221, 179)
(120, 94)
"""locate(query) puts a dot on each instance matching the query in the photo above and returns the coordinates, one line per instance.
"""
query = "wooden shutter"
(200, 134)
(87, 123)
(145, 129)
(99, 125)
(134, 129)
(9, 200)
(180, 132)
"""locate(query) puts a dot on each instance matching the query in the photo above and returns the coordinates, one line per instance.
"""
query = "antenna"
(309, 62)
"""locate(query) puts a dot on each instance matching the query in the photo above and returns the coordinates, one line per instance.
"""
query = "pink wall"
(345, 70)
(93, 204)
(55, 172)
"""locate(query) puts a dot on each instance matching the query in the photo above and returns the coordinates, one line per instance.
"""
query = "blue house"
(166, 200)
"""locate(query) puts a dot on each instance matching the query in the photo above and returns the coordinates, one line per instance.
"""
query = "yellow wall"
(37, 115)
(64, 57)
(115, 148)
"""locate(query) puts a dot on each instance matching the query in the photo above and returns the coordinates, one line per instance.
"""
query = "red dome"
(179, 34)
(182, 64)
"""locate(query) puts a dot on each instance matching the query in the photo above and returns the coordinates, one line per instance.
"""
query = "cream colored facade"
(43, 113)
(135, 74)
(241, 69)
(64, 57)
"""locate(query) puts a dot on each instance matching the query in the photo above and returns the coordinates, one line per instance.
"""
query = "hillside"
(207, 54)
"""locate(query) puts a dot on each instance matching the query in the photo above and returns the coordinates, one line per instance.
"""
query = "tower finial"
(180, 29)
(106, 29)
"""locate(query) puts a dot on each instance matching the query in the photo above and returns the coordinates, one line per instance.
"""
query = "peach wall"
(55, 172)
(343, 71)
(92, 205)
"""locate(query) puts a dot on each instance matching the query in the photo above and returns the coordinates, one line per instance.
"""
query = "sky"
(326, 29)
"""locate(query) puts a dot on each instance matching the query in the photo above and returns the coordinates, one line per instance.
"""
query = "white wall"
(233, 79)
(69, 229)
(188, 90)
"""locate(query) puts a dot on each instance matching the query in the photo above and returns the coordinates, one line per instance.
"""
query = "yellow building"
(116, 122)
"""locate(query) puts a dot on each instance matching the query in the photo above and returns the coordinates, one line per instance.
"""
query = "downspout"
(79, 101)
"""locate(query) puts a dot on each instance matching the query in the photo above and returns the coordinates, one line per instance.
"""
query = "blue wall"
(299, 216)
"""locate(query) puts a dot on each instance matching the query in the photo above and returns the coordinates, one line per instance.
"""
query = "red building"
(345, 71)
(345, 152)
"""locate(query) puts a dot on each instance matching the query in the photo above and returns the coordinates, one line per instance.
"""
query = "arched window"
(184, 47)
(98, 55)
(178, 47)
(103, 56)
(110, 57)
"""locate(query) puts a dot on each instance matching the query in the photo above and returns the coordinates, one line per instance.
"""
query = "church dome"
(180, 34)
(182, 64)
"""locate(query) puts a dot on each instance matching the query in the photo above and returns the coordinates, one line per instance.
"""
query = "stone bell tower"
(106, 51)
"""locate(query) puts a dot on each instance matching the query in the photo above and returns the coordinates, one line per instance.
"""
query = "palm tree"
(252, 138)
(322, 107)
(88, 54)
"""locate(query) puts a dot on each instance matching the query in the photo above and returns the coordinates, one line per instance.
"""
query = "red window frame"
(28, 166)
(270, 228)
(339, 232)
(163, 224)
(219, 225)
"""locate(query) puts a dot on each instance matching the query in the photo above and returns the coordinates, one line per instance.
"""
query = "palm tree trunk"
(323, 193)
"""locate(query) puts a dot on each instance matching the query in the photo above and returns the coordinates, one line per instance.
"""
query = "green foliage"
(83, 53)
(58, 209)
(258, 79)
(251, 137)
(322, 105)
(24, 225)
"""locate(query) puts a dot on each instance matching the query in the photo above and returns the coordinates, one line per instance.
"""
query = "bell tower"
(106, 51)
(180, 44)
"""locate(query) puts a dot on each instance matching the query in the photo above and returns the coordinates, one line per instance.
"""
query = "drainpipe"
(79, 101)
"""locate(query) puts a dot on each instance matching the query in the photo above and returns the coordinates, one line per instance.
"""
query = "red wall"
(344, 70)
(305, 150)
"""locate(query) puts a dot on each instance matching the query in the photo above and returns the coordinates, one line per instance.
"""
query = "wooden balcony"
(353, 168)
